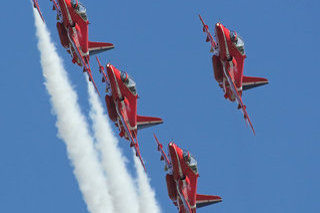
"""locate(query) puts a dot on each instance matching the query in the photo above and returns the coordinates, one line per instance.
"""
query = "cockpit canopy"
(191, 161)
(129, 82)
(80, 9)
(237, 41)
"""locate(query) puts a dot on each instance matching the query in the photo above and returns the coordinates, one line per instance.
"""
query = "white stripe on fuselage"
(181, 175)
(225, 42)
(177, 156)
(184, 201)
(117, 85)
(67, 10)
(226, 47)
(230, 62)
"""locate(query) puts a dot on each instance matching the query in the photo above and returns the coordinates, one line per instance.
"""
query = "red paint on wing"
(63, 35)
(171, 186)
(111, 108)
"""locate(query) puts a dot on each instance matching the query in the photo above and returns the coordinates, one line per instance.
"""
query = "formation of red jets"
(121, 94)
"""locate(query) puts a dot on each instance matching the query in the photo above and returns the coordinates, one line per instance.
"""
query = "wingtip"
(201, 20)
(249, 121)
(254, 132)
(95, 86)
(144, 166)
(98, 61)
(42, 18)
(141, 160)
(156, 138)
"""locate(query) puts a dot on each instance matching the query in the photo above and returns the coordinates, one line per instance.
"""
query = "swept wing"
(238, 97)
(36, 5)
(86, 66)
(163, 154)
(133, 140)
(209, 36)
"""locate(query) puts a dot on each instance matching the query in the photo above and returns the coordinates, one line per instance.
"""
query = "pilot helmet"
(233, 36)
(124, 77)
(186, 156)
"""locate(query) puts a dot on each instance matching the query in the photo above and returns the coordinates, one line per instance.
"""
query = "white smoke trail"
(120, 182)
(72, 126)
(147, 199)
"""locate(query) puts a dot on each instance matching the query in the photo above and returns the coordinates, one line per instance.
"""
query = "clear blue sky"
(161, 44)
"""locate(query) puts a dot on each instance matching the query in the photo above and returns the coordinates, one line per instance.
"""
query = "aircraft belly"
(218, 72)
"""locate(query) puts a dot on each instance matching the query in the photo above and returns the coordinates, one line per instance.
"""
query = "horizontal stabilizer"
(252, 82)
(98, 47)
(205, 200)
(145, 121)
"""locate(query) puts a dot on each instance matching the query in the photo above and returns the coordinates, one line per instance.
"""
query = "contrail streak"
(121, 184)
(147, 198)
(72, 126)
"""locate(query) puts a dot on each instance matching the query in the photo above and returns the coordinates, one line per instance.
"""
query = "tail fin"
(205, 200)
(251, 82)
(145, 121)
(98, 47)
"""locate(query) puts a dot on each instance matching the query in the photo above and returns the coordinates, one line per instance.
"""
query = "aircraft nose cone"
(171, 147)
(219, 26)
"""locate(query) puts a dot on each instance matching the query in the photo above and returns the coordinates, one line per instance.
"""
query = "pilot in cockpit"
(129, 82)
(191, 161)
(80, 9)
(237, 41)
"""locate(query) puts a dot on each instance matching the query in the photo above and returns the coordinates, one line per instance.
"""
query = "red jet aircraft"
(182, 180)
(121, 100)
(72, 26)
(228, 60)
